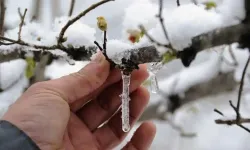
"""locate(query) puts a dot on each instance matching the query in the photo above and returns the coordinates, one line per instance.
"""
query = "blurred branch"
(55, 9)
(2, 15)
(247, 8)
(21, 24)
(72, 4)
(36, 10)
(39, 74)
(178, 3)
(195, 2)
(224, 82)
(239, 120)
(233, 55)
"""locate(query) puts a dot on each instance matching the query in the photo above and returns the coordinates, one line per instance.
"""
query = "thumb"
(78, 85)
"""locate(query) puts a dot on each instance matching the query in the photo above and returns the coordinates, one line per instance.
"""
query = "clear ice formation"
(153, 69)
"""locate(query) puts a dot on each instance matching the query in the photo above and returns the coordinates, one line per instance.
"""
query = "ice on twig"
(153, 69)
(125, 102)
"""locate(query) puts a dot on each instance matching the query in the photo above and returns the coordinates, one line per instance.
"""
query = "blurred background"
(183, 108)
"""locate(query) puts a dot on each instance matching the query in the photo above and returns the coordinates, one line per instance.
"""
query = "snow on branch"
(146, 54)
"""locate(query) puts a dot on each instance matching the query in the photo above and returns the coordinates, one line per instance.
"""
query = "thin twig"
(105, 42)
(163, 24)
(73, 20)
(19, 13)
(2, 3)
(219, 112)
(241, 87)
(72, 4)
(21, 24)
(243, 127)
(152, 39)
(53, 47)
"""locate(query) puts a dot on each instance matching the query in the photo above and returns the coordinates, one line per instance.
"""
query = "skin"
(66, 113)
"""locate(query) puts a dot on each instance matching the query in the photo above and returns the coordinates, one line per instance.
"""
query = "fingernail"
(98, 57)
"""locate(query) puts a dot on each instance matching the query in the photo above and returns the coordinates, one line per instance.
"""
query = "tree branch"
(70, 22)
(178, 3)
(2, 15)
(241, 88)
(232, 122)
(36, 10)
(72, 4)
(21, 24)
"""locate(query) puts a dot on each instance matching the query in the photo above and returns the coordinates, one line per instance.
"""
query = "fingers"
(78, 85)
(78, 134)
(109, 101)
(111, 134)
(114, 77)
(142, 138)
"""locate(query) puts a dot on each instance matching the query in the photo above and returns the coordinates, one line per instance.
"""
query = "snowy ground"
(182, 24)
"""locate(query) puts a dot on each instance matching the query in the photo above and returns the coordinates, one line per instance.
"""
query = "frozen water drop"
(125, 102)
(126, 128)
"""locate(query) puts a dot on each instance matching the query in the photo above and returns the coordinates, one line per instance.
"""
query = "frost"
(125, 102)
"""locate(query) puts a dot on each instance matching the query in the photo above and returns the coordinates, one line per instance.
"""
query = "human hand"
(57, 114)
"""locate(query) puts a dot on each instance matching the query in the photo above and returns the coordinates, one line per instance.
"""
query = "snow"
(10, 72)
(189, 77)
(136, 15)
(58, 69)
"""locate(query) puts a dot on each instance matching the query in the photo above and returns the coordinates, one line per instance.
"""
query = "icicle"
(125, 102)
(153, 69)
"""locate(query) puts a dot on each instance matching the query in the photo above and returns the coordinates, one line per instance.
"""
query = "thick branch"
(247, 8)
(220, 36)
(233, 121)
